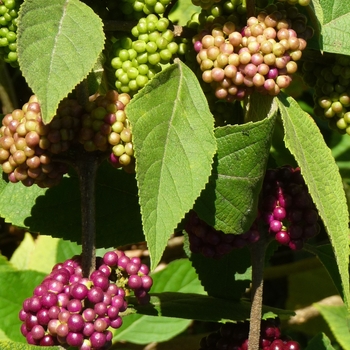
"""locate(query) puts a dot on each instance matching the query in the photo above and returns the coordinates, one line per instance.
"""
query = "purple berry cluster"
(212, 243)
(68, 309)
(235, 336)
(286, 207)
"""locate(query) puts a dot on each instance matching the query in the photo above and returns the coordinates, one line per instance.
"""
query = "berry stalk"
(257, 251)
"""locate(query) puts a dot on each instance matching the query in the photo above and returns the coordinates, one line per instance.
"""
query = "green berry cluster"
(8, 31)
(332, 90)
(140, 56)
(136, 9)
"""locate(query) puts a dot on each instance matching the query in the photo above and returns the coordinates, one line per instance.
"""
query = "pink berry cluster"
(261, 56)
(211, 243)
(286, 207)
(235, 336)
(68, 309)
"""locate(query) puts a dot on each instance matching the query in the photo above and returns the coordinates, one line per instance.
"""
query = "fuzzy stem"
(257, 251)
(86, 166)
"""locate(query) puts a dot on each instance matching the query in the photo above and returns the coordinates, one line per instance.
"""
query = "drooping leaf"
(229, 201)
(227, 277)
(178, 276)
(326, 255)
(19, 286)
(56, 211)
(58, 45)
(306, 143)
(174, 146)
(319, 342)
(10, 345)
(338, 321)
(201, 307)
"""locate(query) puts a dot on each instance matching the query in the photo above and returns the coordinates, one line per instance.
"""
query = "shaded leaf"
(174, 146)
(201, 307)
(227, 277)
(306, 143)
(229, 201)
(56, 211)
(326, 255)
(319, 342)
(58, 45)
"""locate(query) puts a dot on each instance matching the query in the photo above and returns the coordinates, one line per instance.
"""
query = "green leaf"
(227, 277)
(21, 256)
(43, 253)
(178, 276)
(306, 143)
(19, 286)
(174, 146)
(58, 45)
(229, 201)
(5, 265)
(9, 345)
(326, 255)
(201, 307)
(319, 342)
(337, 320)
(56, 211)
(335, 30)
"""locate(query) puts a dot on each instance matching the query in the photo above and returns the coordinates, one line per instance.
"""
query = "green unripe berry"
(142, 58)
(153, 58)
(150, 3)
(132, 54)
(124, 79)
(141, 81)
(3, 42)
(116, 63)
(151, 47)
(162, 25)
(165, 55)
(168, 35)
(3, 10)
(152, 18)
(173, 47)
(133, 85)
(135, 32)
(142, 27)
(159, 8)
(154, 36)
(3, 32)
(162, 43)
(132, 73)
(143, 69)
(347, 117)
(139, 46)
(341, 124)
(337, 107)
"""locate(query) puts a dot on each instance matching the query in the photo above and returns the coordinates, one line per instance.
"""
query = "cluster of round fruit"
(105, 127)
(258, 57)
(137, 60)
(286, 207)
(68, 309)
(28, 146)
(8, 31)
(286, 212)
(235, 336)
(332, 90)
(211, 243)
